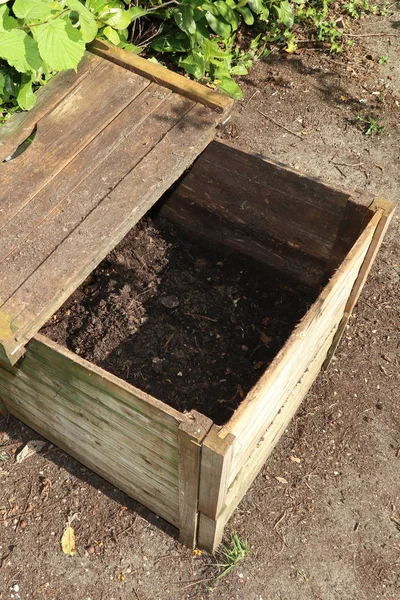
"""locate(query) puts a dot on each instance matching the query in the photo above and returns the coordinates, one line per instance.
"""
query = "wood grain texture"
(191, 436)
(128, 437)
(102, 173)
(251, 419)
(16, 130)
(155, 72)
(266, 444)
(266, 200)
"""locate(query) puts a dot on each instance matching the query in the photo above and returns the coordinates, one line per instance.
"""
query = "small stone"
(169, 301)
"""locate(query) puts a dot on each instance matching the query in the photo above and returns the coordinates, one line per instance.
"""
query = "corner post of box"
(386, 210)
(216, 460)
(190, 435)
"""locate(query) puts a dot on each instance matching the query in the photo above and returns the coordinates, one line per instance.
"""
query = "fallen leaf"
(266, 339)
(197, 552)
(282, 480)
(32, 447)
(68, 541)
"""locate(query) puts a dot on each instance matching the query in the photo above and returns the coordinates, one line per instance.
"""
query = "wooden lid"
(109, 142)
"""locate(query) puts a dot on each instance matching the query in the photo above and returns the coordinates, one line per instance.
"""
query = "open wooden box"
(186, 469)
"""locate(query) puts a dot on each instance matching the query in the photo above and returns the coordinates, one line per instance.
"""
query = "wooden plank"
(107, 159)
(128, 437)
(275, 430)
(191, 435)
(70, 263)
(65, 132)
(215, 468)
(355, 217)
(385, 209)
(62, 205)
(250, 420)
(163, 76)
(211, 228)
(265, 199)
(18, 129)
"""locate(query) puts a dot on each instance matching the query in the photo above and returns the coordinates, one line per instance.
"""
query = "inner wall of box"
(225, 293)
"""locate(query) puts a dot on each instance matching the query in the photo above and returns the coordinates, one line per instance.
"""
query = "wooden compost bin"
(183, 467)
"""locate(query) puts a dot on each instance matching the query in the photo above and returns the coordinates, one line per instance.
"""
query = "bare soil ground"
(330, 533)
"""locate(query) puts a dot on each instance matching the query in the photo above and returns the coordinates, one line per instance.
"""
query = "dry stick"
(348, 164)
(280, 125)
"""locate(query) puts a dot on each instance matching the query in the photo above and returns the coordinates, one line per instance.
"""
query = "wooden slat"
(385, 210)
(64, 133)
(51, 284)
(191, 436)
(161, 75)
(249, 422)
(61, 206)
(71, 195)
(216, 458)
(16, 130)
(125, 435)
(195, 218)
(275, 430)
(266, 199)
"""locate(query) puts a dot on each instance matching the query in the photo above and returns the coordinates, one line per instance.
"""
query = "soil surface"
(332, 531)
(194, 328)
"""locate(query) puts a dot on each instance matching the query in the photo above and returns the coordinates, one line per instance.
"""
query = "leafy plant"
(211, 40)
(371, 124)
(232, 556)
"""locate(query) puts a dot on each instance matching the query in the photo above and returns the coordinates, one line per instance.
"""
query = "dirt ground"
(332, 532)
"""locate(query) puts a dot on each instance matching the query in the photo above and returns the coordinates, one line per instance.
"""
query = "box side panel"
(280, 217)
(264, 402)
(117, 431)
(277, 426)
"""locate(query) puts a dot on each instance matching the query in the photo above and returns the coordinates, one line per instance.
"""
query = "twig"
(280, 125)
(196, 582)
(340, 171)
(348, 164)
(26, 506)
(201, 317)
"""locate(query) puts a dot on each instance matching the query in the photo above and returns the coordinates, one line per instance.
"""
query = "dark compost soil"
(193, 327)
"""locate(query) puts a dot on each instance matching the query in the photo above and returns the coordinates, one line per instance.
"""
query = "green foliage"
(211, 40)
(371, 124)
(232, 556)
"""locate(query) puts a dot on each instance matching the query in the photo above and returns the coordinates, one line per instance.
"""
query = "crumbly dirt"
(330, 533)
(192, 327)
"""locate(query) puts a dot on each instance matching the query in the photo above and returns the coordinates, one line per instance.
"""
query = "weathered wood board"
(109, 142)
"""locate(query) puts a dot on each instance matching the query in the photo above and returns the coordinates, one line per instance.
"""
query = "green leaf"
(171, 43)
(183, 17)
(116, 18)
(111, 35)
(218, 25)
(230, 87)
(26, 98)
(31, 10)
(247, 15)
(285, 13)
(193, 64)
(256, 6)
(227, 13)
(135, 12)
(87, 21)
(19, 50)
(239, 70)
(60, 45)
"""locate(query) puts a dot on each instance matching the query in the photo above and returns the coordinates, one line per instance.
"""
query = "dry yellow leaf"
(68, 541)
